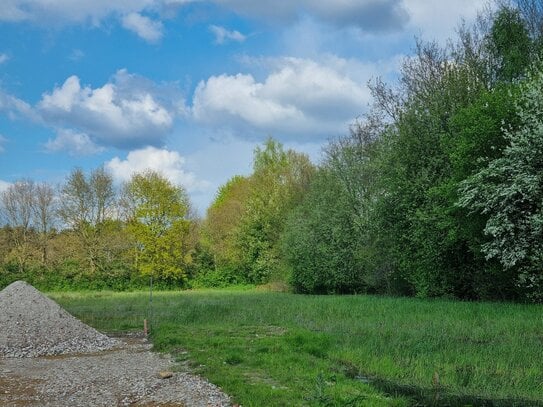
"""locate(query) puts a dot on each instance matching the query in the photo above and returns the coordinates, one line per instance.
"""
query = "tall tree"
(510, 42)
(279, 182)
(159, 225)
(509, 190)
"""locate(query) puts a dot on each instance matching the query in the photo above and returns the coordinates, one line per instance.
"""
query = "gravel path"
(125, 376)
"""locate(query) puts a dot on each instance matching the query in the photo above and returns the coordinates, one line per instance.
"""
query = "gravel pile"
(33, 325)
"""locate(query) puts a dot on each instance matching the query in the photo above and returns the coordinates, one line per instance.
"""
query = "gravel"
(50, 358)
(128, 375)
(34, 325)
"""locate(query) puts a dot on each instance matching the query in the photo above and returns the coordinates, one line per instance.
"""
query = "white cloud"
(299, 98)
(223, 35)
(4, 185)
(149, 30)
(438, 19)
(127, 112)
(168, 163)
(3, 58)
(68, 11)
(75, 143)
(16, 108)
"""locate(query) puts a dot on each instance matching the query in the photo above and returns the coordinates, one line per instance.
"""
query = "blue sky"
(190, 87)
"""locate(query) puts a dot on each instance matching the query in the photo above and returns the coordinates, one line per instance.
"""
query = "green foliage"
(224, 217)
(509, 191)
(321, 241)
(382, 214)
(245, 222)
(510, 43)
(159, 226)
(279, 182)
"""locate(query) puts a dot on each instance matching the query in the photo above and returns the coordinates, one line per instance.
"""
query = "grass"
(279, 349)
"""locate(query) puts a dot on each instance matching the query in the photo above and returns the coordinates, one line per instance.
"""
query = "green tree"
(509, 190)
(219, 229)
(321, 240)
(510, 43)
(158, 222)
(278, 184)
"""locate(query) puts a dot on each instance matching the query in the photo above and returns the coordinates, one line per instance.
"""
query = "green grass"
(278, 349)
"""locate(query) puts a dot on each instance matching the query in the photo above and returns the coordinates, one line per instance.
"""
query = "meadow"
(278, 349)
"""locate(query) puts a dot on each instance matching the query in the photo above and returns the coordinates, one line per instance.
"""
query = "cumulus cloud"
(223, 35)
(299, 98)
(168, 163)
(127, 112)
(149, 30)
(75, 143)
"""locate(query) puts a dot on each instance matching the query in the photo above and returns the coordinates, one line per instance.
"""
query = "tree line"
(436, 191)
(89, 234)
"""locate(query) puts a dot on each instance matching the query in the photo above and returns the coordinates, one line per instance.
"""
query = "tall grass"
(278, 349)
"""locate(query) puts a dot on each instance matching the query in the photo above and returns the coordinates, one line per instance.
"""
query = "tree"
(509, 190)
(278, 184)
(18, 205)
(223, 218)
(44, 207)
(321, 240)
(159, 226)
(510, 43)
(86, 204)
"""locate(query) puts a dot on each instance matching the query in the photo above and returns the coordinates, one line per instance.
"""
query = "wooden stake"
(145, 331)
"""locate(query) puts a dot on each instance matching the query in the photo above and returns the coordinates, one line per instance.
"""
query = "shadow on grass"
(437, 397)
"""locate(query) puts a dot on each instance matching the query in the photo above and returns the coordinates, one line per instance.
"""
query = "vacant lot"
(277, 349)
